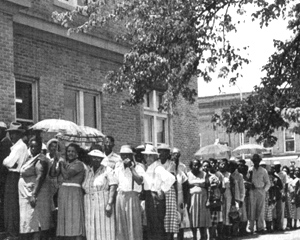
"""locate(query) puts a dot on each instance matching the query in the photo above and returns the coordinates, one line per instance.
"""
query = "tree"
(172, 41)
(275, 103)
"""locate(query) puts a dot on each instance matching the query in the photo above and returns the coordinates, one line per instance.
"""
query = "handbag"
(234, 214)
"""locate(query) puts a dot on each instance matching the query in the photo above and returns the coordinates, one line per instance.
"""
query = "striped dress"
(96, 187)
(70, 216)
(199, 214)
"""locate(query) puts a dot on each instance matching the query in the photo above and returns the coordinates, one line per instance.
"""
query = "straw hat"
(150, 149)
(175, 150)
(15, 126)
(96, 153)
(3, 125)
(277, 163)
(126, 149)
(164, 147)
(263, 163)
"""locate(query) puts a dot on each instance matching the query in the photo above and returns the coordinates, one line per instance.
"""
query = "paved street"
(287, 235)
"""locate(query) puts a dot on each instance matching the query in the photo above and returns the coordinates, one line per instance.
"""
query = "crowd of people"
(140, 193)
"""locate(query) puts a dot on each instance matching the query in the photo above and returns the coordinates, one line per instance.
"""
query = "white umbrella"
(86, 134)
(57, 126)
(214, 151)
(249, 149)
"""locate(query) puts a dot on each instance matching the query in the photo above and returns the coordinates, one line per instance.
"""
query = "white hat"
(175, 150)
(164, 146)
(263, 163)
(96, 153)
(44, 147)
(277, 163)
(15, 126)
(3, 125)
(150, 149)
(126, 149)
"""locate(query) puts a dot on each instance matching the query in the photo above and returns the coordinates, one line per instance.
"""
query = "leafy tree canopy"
(275, 103)
(173, 41)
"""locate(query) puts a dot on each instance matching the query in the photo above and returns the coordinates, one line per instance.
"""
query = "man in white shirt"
(157, 181)
(111, 158)
(260, 184)
(129, 175)
(13, 162)
(280, 204)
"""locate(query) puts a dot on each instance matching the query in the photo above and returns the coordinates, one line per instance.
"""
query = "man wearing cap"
(111, 158)
(13, 162)
(5, 145)
(260, 184)
(157, 182)
(280, 203)
(129, 175)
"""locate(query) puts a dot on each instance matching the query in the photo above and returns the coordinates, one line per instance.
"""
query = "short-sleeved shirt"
(125, 179)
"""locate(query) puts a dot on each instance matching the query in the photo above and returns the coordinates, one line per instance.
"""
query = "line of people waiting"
(143, 193)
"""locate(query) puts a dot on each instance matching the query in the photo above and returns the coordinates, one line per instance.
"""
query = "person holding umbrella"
(70, 220)
(13, 162)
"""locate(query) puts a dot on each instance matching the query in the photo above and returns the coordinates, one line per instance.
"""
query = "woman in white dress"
(100, 187)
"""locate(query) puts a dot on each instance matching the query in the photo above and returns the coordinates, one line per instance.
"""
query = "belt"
(72, 185)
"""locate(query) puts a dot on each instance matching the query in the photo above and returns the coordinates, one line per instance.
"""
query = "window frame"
(80, 105)
(152, 111)
(34, 85)
(285, 140)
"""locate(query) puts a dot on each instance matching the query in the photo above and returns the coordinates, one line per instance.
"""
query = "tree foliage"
(171, 42)
(275, 103)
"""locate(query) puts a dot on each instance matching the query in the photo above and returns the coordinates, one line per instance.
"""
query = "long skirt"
(70, 216)
(155, 212)
(268, 209)
(226, 206)
(128, 216)
(296, 212)
(98, 225)
(39, 217)
(11, 204)
(200, 215)
(171, 217)
(288, 210)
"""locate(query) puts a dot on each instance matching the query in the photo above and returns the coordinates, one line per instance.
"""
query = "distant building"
(286, 149)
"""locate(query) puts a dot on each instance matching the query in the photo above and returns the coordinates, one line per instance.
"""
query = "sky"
(260, 42)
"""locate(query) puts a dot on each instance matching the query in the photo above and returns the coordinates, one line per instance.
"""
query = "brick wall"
(55, 67)
(7, 80)
(186, 128)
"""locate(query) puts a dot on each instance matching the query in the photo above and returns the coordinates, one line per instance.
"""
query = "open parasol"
(86, 134)
(214, 151)
(57, 126)
(249, 149)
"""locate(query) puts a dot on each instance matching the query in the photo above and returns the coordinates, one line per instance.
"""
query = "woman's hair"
(192, 162)
(74, 145)
(206, 161)
(36, 139)
(287, 169)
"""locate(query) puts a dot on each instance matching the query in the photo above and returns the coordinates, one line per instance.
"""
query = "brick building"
(46, 74)
(288, 144)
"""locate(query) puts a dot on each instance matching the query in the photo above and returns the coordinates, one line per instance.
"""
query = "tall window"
(26, 101)
(156, 123)
(82, 107)
(289, 141)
